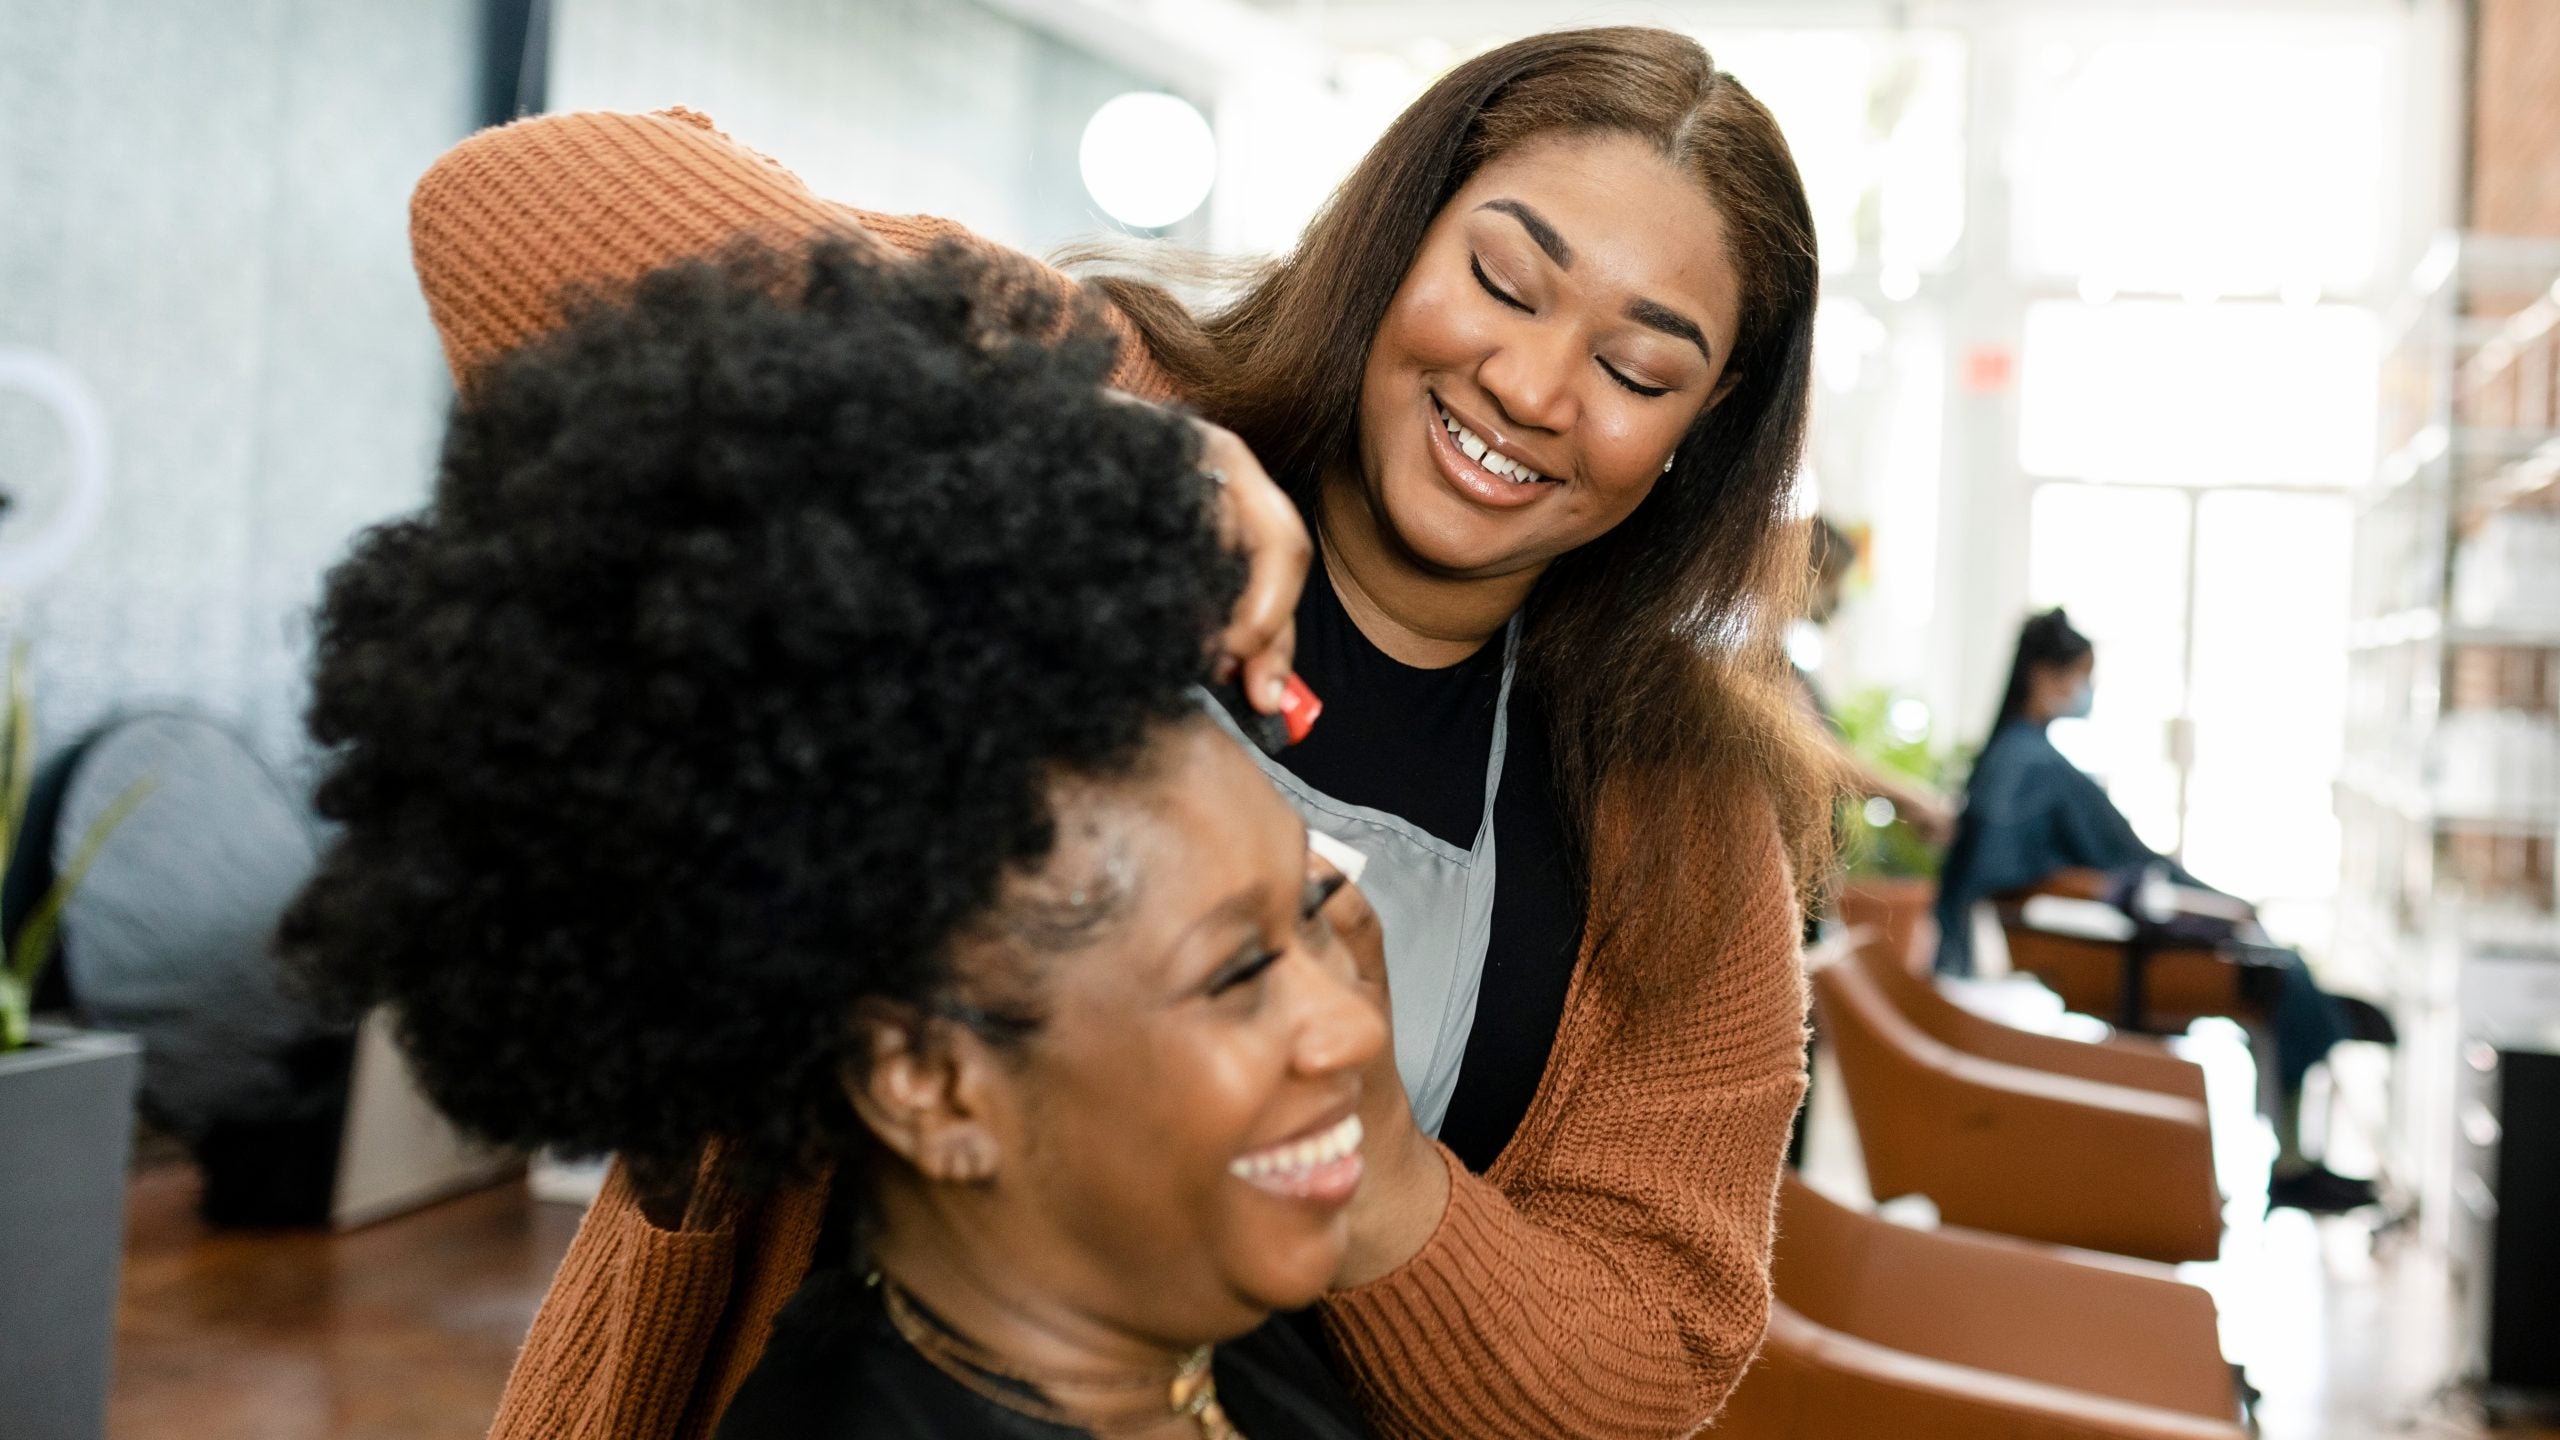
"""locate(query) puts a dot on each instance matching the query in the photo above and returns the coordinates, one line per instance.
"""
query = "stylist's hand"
(1260, 522)
(1404, 1185)
(1930, 817)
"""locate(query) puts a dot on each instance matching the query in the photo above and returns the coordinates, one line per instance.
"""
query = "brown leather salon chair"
(1894, 914)
(1882, 1331)
(2012, 1142)
(2093, 961)
(2134, 1060)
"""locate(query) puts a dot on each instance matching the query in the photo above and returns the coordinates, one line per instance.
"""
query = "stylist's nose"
(1530, 378)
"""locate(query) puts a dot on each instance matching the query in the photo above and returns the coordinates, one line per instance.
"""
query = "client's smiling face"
(1171, 1152)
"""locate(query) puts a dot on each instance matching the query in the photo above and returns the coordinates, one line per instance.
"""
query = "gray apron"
(1434, 903)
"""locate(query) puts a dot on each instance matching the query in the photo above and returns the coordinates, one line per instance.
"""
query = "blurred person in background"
(1926, 811)
(1533, 390)
(779, 727)
(2033, 820)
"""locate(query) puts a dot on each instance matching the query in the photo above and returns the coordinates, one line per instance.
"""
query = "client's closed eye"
(1320, 889)
(1242, 968)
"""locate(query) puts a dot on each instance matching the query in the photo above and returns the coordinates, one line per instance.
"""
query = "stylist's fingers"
(1261, 634)
(1268, 670)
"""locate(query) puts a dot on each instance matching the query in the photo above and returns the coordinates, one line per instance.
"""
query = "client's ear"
(922, 1086)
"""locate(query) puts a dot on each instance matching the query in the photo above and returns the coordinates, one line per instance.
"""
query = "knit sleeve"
(1137, 372)
(1610, 1276)
(647, 1332)
(614, 1351)
(505, 226)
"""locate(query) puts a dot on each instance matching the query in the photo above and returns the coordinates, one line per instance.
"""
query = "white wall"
(936, 106)
(203, 213)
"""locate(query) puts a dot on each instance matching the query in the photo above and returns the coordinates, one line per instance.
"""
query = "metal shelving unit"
(2450, 800)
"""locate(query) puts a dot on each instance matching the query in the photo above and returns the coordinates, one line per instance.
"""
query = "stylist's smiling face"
(1184, 1123)
(1568, 316)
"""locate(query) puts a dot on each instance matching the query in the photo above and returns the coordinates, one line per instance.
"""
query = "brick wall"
(2515, 118)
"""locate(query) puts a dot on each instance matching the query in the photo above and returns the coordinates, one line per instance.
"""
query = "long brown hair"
(1656, 645)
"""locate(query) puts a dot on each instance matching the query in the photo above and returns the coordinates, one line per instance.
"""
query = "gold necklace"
(1190, 1390)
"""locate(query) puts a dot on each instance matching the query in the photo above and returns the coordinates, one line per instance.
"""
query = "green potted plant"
(1892, 873)
(66, 1131)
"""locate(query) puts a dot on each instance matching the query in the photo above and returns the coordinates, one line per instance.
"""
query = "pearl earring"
(966, 1160)
(1666, 463)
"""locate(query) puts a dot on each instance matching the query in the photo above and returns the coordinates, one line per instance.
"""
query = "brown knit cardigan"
(1607, 1279)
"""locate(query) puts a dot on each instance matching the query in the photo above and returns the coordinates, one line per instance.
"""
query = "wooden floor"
(402, 1331)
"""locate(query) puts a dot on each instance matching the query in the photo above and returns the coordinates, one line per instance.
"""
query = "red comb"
(1299, 708)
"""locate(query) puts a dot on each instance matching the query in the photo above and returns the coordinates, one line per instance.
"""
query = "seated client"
(2031, 818)
(775, 737)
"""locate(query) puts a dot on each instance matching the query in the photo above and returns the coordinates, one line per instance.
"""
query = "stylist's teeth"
(1497, 464)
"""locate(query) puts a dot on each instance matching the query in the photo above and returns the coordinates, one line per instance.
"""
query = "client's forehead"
(1142, 854)
(1088, 882)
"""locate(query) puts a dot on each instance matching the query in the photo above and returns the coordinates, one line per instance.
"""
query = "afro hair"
(728, 668)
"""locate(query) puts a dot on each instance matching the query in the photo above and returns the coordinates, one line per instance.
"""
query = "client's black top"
(837, 1369)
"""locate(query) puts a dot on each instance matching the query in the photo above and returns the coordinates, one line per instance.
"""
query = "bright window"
(2116, 559)
(2232, 159)
(1876, 122)
(2270, 684)
(2170, 392)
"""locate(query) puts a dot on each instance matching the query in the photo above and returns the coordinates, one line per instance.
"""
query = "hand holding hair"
(1261, 523)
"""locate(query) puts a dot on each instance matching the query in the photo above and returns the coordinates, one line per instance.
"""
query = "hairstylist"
(1536, 379)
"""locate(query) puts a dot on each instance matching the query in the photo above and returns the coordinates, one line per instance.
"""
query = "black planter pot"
(66, 1135)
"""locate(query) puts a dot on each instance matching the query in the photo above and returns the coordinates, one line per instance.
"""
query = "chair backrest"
(2119, 1060)
(1896, 916)
(2086, 973)
(2180, 985)
(2123, 1330)
(1916, 998)
(2017, 1148)
(1815, 1264)
(1888, 1066)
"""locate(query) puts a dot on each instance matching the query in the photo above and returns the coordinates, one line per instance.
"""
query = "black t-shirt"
(1414, 743)
(837, 1369)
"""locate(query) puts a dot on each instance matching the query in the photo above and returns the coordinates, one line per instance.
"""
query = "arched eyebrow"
(1538, 228)
(1651, 314)
(1654, 315)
